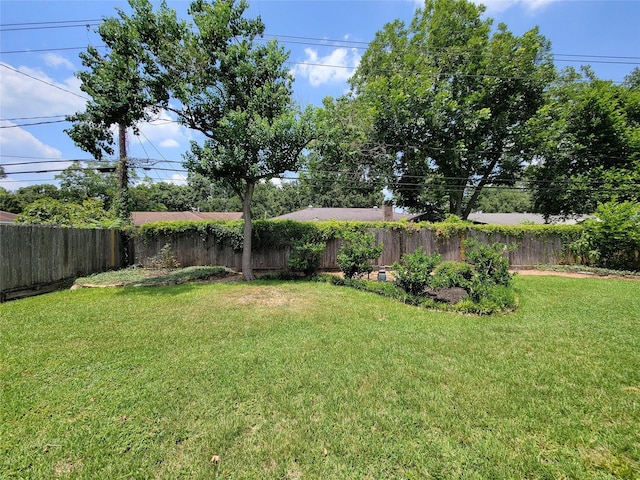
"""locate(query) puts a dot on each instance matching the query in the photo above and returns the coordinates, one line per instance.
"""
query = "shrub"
(356, 253)
(490, 268)
(451, 274)
(612, 238)
(306, 257)
(414, 270)
(489, 262)
(165, 259)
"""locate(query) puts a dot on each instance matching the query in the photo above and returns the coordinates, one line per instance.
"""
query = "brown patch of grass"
(65, 467)
(602, 458)
(265, 296)
(632, 390)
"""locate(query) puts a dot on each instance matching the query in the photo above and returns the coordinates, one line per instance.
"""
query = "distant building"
(140, 218)
(375, 214)
(387, 214)
(517, 219)
(6, 217)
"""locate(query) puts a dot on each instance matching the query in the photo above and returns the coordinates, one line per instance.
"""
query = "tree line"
(444, 113)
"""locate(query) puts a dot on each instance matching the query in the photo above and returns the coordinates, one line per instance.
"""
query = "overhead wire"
(335, 44)
(42, 81)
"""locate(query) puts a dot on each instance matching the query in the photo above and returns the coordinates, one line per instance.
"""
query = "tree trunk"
(122, 196)
(483, 181)
(247, 267)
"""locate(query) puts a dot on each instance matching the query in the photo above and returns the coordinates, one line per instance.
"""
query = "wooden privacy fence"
(37, 258)
(198, 249)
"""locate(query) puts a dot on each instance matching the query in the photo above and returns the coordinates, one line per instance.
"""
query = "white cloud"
(56, 60)
(25, 96)
(17, 142)
(276, 181)
(177, 179)
(169, 143)
(336, 67)
(164, 131)
(497, 6)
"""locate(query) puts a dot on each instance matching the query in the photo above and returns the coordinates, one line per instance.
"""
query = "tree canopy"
(449, 97)
(586, 144)
(223, 82)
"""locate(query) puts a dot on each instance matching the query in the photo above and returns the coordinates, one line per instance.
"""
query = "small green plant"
(356, 253)
(490, 261)
(414, 271)
(165, 259)
(306, 257)
(451, 274)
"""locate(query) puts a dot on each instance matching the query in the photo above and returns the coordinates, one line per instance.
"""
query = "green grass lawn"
(310, 380)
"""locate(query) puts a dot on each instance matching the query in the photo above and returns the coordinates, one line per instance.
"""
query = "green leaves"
(356, 253)
(448, 99)
(585, 142)
(612, 238)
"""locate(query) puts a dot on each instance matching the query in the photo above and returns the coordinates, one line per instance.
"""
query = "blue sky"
(326, 39)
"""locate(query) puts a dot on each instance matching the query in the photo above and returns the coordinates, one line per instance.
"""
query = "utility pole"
(122, 198)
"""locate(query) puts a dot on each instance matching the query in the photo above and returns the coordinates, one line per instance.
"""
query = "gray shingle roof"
(515, 218)
(341, 214)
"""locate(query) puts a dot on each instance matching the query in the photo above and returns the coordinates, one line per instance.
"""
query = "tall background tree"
(449, 97)
(586, 144)
(228, 86)
(121, 96)
(343, 168)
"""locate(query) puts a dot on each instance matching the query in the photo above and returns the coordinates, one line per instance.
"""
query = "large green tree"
(225, 83)
(586, 144)
(244, 107)
(9, 202)
(121, 93)
(88, 214)
(344, 168)
(80, 182)
(31, 193)
(449, 96)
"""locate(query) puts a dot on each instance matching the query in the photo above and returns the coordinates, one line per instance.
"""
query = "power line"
(47, 23)
(29, 118)
(39, 50)
(33, 124)
(580, 57)
(42, 81)
(52, 27)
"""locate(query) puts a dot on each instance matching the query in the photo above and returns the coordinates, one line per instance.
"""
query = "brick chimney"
(387, 215)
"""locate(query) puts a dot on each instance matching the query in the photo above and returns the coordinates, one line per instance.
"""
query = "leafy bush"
(451, 274)
(612, 238)
(306, 257)
(490, 268)
(414, 271)
(496, 299)
(48, 211)
(489, 261)
(356, 253)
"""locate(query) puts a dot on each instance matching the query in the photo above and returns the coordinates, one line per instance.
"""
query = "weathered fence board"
(34, 256)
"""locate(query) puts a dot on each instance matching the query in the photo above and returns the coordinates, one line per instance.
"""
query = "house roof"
(140, 218)
(6, 217)
(515, 218)
(342, 214)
